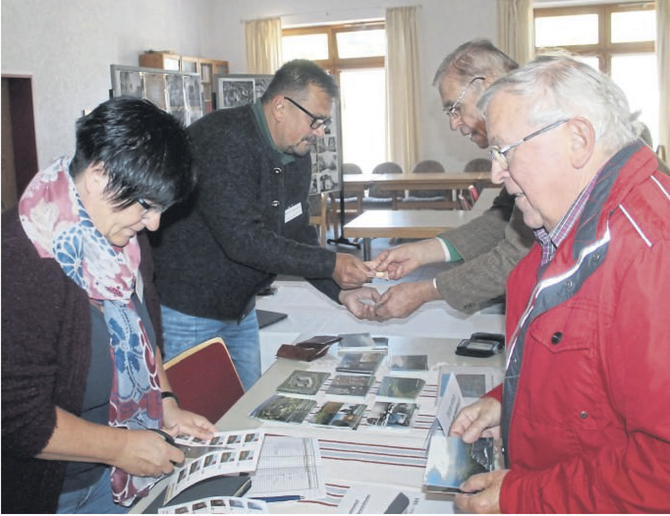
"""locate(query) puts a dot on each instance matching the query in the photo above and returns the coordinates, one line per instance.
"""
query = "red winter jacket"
(590, 423)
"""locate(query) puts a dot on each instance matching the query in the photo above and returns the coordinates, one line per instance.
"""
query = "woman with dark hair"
(83, 385)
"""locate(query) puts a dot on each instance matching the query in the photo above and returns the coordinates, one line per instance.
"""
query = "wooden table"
(404, 224)
(358, 183)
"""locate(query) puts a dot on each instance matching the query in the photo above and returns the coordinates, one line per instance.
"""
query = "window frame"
(604, 49)
(334, 64)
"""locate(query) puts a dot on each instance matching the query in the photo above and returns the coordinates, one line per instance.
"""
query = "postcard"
(401, 388)
(284, 409)
(341, 415)
(452, 461)
(350, 385)
(303, 382)
(402, 363)
(355, 342)
(366, 363)
(387, 414)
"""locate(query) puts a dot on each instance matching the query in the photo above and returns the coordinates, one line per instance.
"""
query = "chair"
(428, 165)
(205, 380)
(376, 192)
(319, 206)
(475, 165)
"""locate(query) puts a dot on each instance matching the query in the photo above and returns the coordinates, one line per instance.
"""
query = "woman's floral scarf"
(56, 222)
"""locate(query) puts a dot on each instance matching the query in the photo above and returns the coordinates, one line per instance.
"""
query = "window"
(618, 39)
(354, 54)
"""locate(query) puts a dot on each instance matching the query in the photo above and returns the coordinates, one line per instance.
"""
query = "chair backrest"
(388, 167)
(205, 380)
(427, 165)
(351, 168)
(478, 165)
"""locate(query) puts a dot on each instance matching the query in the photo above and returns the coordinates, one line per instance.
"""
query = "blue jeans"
(95, 499)
(182, 331)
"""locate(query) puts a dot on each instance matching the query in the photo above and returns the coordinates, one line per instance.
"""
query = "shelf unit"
(207, 68)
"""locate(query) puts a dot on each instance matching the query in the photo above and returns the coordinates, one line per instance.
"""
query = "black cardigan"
(46, 348)
(216, 251)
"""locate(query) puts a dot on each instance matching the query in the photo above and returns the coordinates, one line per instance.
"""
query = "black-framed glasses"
(317, 121)
(500, 155)
(149, 208)
(452, 111)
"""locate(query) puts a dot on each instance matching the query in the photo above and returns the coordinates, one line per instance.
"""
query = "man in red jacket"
(583, 410)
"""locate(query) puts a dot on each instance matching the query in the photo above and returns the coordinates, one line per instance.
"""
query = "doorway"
(19, 147)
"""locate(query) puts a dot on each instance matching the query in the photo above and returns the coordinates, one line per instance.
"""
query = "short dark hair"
(145, 151)
(475, 58)
(295, 76)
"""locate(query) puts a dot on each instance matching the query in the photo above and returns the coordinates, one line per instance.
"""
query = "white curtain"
(663, 57)
(515, 29)
(402, 86)
(263, 45)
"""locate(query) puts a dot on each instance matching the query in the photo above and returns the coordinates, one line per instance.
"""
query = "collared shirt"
(259, 115)
(549, 241)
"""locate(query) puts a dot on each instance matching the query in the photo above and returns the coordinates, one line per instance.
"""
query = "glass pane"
(305, 46)
(559, 31)
(633, 26)
(363, 99)
(592, 61)
(637, 76)
(364, 43)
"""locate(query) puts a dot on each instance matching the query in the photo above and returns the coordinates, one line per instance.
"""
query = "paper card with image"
(449, 405)
(224, 461)
(218, 505)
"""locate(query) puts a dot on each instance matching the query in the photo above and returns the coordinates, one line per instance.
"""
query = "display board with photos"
(235, 90)
(178, 93)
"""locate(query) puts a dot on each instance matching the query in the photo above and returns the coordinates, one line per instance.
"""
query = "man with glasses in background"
(486, 249)
(249, 221)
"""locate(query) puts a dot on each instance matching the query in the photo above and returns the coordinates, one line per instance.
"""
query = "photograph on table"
(388, 414)
(339, 415)
(284, 409)
(401, 388)
(303, 382)
(365, 363)
(350, 385)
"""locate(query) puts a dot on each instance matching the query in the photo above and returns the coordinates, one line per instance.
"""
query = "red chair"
(205, 380)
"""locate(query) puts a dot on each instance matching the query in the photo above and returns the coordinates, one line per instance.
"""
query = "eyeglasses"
(317, 121)
(500, 155)
(149, 208)
(451, 111)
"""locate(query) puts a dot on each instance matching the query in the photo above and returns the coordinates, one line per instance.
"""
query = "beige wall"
(68, 45)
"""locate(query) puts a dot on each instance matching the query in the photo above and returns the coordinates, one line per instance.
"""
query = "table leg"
(367, 249)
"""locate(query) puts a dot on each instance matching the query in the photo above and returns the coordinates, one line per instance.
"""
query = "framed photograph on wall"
(178, 93)
(233, 90)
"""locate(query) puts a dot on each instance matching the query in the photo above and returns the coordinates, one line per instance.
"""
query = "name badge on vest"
(292, 212)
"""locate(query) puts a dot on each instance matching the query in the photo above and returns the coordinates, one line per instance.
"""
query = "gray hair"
(476, 58)
(561, 87)
(296, 76)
